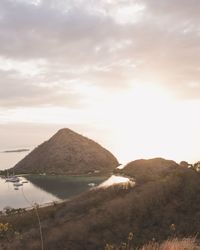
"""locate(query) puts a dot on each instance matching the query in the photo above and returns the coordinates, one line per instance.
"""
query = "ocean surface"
(40, 189)
(45, 189)
(8, 160)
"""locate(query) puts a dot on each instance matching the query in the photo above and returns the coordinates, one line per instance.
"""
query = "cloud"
(17, 91)
(52, 48)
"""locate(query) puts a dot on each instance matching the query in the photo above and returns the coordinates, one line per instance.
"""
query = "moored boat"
(12, 179)
(92, 184)
(18, 184)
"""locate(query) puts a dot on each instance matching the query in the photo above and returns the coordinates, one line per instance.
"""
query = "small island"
(16, 150)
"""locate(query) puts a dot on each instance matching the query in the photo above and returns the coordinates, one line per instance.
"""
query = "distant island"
(16, 150)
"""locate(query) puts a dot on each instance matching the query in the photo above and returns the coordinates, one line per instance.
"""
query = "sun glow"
(143, 121)
(147, 122)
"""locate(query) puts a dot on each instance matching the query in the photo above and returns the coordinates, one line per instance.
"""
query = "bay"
(40, 189)
(44, 189)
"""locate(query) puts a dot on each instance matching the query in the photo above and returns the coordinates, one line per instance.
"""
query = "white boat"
(12, 179)
(92, 184)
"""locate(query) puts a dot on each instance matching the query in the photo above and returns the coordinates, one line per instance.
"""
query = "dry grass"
(174, 244)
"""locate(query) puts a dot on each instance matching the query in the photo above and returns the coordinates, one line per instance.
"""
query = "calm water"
(44, 189)
(23, 197)
(8, 160)
(39, 189)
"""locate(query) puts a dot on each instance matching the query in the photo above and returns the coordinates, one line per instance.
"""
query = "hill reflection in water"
(64, 187)
(44, 189)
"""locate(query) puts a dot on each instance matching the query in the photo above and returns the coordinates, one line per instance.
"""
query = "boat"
(24, 182)
(12, 179)
(18, 184)
(92, 184)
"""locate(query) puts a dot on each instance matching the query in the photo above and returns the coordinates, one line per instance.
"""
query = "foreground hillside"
(164, 203)
(68, 153)
(148, 170)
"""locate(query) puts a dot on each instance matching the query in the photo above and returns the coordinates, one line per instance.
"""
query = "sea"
(44, 190)
(40, 189)
(8, 160)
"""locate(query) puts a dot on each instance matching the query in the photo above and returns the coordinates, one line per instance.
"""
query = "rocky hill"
(68, 153)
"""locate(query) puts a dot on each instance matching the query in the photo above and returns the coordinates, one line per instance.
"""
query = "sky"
(125, 73)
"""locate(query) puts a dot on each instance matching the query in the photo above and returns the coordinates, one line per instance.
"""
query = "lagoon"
(40, 189)
(44, 189)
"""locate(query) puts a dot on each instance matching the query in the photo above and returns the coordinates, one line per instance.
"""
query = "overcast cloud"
(109, 44)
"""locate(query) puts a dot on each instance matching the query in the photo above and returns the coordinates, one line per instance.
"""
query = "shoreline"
(2, 174)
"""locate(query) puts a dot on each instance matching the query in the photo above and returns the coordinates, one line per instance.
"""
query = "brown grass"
(174, 244)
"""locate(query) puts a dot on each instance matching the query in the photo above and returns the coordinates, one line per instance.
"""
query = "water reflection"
(24, 196)
(64, 187)
(43, 189)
